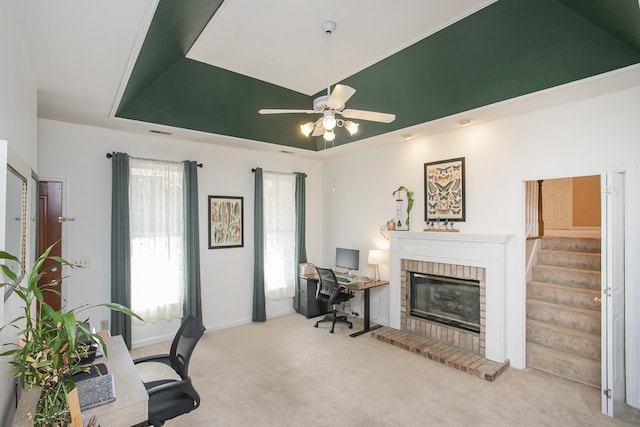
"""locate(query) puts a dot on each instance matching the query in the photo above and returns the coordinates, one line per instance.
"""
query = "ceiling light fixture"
(328, 122)
(331, 105)
(329, 136)
(351, 127)
(307, 128)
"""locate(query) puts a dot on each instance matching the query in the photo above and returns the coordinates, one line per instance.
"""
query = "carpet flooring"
(285, 372)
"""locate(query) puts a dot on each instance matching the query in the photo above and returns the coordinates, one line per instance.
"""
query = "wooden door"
(50, 232)
(557, 204)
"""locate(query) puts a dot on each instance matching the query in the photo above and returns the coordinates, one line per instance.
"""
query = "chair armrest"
(161, 358)
(337, 291)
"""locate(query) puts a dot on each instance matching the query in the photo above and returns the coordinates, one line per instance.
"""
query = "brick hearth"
(450, 355)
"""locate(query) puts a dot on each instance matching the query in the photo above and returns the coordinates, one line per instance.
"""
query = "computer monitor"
(348, 258)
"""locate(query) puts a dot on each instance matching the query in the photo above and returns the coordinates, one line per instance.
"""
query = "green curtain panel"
(259, 308)
(120, 249)
(192, 292)
(301, 244)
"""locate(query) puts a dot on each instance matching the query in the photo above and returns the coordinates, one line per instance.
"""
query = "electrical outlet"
(104, 325)
(81, 261)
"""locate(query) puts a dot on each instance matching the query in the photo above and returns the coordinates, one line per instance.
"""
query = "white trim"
(133, 55)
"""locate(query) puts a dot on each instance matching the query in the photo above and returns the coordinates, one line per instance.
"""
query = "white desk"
(131, 404)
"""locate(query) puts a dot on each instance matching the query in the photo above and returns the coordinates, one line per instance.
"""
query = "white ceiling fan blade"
(368, 115)
(283, 111)
(339, 96)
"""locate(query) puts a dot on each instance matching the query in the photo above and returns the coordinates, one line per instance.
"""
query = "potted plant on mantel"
(52, 342)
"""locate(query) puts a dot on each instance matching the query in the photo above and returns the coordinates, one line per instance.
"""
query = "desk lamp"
(375, 259)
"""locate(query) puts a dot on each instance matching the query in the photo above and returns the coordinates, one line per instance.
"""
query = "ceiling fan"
(331, 105)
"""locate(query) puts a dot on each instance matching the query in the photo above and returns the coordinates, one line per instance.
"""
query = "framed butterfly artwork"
(444, 190)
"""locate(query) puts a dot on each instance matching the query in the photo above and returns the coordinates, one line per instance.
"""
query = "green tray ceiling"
(508, 49)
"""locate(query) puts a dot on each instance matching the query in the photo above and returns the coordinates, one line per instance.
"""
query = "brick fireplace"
(468, 340)
(466, 256)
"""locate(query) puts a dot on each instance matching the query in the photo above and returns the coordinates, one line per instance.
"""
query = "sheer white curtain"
(279, 234)
(156, 227)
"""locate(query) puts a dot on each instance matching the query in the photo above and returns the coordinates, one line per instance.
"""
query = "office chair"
(169, 398)
(330, 292)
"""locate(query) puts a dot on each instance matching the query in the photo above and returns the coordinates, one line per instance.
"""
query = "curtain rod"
(282, 173)
(110, 155)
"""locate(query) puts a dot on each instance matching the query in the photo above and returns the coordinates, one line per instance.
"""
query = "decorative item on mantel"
(404, 203)
(440, 226)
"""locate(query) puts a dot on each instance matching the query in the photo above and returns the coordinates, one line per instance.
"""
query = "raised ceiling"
(503, 50)
(205, 66)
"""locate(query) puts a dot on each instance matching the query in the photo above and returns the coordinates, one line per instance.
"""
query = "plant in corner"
(52, 343)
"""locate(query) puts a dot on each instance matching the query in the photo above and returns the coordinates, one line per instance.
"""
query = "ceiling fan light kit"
(332, 104)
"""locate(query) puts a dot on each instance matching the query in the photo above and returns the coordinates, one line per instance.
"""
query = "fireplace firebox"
(447, 300)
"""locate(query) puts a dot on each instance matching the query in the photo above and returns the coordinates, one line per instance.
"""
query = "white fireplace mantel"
(476, 250)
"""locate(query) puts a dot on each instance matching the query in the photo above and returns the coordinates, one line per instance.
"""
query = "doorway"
(50, 232)
(571, 206)
(583, 208)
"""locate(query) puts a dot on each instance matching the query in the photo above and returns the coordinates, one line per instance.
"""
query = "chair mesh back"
(184, 343)
(328, 281)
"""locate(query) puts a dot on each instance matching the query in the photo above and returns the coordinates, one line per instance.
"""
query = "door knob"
(597, 299)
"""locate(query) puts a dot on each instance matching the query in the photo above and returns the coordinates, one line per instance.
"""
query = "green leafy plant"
(52, 343)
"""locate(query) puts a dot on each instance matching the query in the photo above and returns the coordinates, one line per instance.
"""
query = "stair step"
(581, 260)
(564, 339)
(567, 365)
(566, 276)
(574, 244)
(566, 295)
(579, 319)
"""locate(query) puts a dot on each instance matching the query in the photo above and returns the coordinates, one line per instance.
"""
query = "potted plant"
(52, 343)
(409, 205)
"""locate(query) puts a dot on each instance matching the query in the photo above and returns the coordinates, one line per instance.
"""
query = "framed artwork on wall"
(444, 191)
(226, 222)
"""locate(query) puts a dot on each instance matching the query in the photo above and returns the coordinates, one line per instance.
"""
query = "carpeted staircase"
(563, 312)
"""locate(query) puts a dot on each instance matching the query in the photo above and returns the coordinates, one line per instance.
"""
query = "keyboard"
(96, 391)
(344, 280)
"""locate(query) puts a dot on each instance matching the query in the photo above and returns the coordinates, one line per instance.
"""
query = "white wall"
(77, 154)
(588, 137)
(18, 111)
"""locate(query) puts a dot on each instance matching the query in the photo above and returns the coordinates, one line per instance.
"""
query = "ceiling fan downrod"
(328, 27)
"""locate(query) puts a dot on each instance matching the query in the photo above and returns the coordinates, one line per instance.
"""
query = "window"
(279, 192)
(156, 230)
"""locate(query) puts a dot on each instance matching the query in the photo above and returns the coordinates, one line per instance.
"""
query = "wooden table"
(366, 286)
(131, 404)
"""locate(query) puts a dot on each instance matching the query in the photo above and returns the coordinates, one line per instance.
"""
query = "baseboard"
(210, 328)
